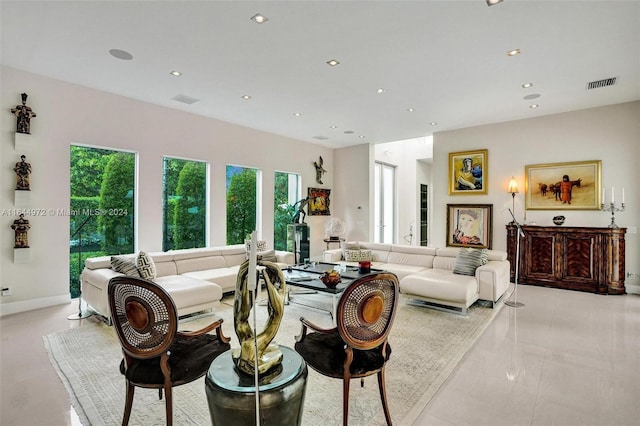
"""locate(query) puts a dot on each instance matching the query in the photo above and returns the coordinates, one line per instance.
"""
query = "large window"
(101, 215)
(242, 203)
(286, 192)
(384, 202)
(184, 203)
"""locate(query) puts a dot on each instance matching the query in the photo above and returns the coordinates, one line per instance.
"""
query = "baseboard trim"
(31, 304)
(632, 288)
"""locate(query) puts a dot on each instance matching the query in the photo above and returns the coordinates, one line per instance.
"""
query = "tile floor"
(565, 358)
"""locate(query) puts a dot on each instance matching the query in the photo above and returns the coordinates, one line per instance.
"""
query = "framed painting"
(563, 186)
(468, 173)
(319, 201)
(469, 225)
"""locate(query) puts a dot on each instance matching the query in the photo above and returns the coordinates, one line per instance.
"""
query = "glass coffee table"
(308, 277)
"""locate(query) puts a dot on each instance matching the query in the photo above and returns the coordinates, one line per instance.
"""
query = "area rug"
(427, 345)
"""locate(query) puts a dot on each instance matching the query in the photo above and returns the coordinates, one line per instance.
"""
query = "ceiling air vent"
(601, 83)
(185, 99)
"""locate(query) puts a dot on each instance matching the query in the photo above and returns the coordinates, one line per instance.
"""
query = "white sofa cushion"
(224, 277)
(164, 264)
(400, 258)
(187, 291)
(195, 252)
(444, 262)
(399, 269)
(98, 262)
(234, 259)
(497, 255)
(441, 284)
(423, 250)
(186, 265)
(379, 252)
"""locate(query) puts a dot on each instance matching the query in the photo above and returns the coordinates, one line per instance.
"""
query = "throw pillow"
(485, 256)
(261, 245)
(146, 266)
(125, 265)
(366, 255)
(267, 255)
(468, 260)
(351, 255)
(348, 246)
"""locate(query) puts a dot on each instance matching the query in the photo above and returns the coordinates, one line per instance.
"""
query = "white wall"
(610, 134)
(354, 190)
(68, 114)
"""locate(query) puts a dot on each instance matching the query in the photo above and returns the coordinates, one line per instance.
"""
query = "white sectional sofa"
(427, 273)
(196, 279)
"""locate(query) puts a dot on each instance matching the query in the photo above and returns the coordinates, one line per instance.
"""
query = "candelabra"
(613, 209)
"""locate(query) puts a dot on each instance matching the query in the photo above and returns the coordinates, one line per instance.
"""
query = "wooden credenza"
(574, 258)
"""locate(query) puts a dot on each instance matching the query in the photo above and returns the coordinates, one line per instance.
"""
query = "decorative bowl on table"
(558, 220)
(330, 278)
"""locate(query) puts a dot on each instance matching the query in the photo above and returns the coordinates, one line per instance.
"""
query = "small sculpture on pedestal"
(24, 114)
(300, 213)
(252, 343)
(21, 227)
(23, 170)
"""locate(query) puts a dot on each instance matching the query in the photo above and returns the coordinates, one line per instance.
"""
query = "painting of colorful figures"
(563, 186)
(468, 172)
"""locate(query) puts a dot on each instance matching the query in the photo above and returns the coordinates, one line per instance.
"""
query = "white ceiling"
(445, 59)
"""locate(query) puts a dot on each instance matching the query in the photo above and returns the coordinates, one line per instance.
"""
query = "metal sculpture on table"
(257, 347)
(23, 171)
(24, 115)
(21, 227)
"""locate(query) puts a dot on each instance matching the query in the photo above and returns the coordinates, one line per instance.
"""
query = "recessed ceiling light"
(380, 90)
(534, 106)
(246, 97)
(493, 2)
(297, 114)
(527, 85)
(121, 54)
(333, 127)
(514, 52)
(361, 136)
(410, 110)
(433, 123)
(175, 73)
(333, 62)
(259, 19)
